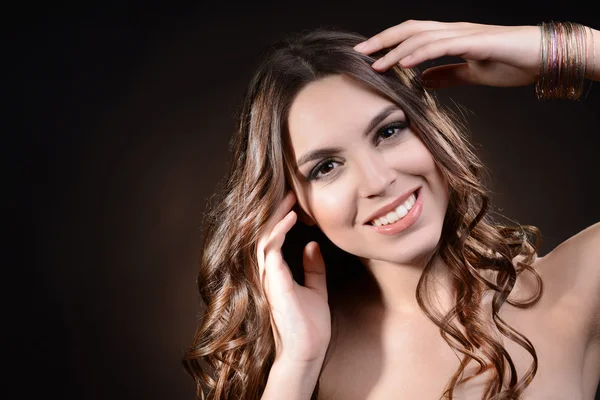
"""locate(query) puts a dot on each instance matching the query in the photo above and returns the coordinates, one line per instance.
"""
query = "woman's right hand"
(300, 316)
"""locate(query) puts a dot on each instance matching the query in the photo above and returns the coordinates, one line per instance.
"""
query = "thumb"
(447, 76)
(314, 269)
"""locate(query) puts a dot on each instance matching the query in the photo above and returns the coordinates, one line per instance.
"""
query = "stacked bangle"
(563, 61)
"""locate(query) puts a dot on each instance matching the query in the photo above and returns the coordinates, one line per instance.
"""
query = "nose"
(376, 175)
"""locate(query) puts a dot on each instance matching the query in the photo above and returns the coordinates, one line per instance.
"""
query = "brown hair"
(233, 349)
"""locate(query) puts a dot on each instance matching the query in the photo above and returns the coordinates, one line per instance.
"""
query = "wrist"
(292, 380)
(593, 52)
(565, 60)
(283, 366)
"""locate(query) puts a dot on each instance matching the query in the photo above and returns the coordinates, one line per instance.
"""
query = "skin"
(378, 351)
(367, 173)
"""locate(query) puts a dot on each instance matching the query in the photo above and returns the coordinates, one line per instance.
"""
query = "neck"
(396, 285)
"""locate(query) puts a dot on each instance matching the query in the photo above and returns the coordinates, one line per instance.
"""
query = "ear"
(303, 216)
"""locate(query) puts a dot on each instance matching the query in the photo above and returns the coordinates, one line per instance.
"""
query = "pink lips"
(392, 206)
(403, 223)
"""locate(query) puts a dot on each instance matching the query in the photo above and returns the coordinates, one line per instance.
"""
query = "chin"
(416, 248)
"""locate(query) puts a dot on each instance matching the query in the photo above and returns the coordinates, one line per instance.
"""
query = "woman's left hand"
(494, 55)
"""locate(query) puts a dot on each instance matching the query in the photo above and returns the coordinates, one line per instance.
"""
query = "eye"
(322, 169)
(391, 130)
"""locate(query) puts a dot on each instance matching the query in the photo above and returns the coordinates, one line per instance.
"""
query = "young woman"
(401, 284)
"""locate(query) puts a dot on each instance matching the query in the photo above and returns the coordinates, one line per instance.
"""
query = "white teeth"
(402, 211)
(392, 217)
(399, 213)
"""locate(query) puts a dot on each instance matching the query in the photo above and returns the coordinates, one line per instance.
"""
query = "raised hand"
(301, 319)
(494, 55)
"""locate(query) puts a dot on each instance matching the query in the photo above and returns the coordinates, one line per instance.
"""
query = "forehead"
(332, 106)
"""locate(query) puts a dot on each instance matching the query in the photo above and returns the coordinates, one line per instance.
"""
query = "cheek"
(331, 206)
(424, 165)
(415, 159)
(412, 158)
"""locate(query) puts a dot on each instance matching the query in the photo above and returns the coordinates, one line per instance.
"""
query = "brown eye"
(391, 130)
(388, 132)
(322, 170)
(325, 168)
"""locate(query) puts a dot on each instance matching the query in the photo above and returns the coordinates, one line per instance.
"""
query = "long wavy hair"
(233, 349)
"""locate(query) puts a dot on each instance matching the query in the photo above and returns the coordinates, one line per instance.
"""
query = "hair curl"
(233, 348)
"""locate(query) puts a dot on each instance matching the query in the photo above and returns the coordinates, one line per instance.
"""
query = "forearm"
(291, 382)
(593, 55)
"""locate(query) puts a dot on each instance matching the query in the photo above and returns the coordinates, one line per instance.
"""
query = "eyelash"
(400, 125)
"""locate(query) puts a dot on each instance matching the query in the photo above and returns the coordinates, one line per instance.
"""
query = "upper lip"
(392, 206)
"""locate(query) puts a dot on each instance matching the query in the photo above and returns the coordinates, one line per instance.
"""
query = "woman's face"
(357, 159)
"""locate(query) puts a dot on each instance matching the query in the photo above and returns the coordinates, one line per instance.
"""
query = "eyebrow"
(320, 153)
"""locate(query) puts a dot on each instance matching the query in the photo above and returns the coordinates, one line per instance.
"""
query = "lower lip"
(404, 223)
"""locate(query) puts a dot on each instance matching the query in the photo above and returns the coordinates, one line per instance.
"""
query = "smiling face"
(357, 158)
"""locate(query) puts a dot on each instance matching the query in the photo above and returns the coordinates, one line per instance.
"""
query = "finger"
(314, 269)
(398, 33)
(448, 76)
(394, 35)
(278, 233)
(276, 268)
(284, 207)
(471, 47)
(415, 42)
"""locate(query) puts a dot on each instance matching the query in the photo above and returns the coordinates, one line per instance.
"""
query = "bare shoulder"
(571, 276)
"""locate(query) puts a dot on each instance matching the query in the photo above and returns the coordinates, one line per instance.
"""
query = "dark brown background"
(128, 113)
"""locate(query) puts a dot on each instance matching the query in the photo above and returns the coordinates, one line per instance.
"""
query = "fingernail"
(361, 46)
